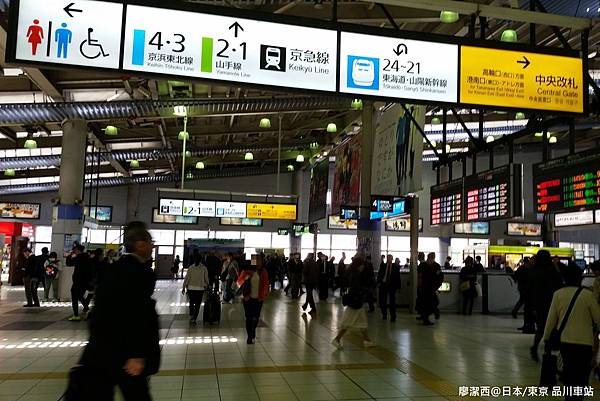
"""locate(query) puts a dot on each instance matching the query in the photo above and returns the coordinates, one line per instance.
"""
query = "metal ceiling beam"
(489, 11)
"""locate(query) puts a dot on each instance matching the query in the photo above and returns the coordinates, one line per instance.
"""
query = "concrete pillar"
(446, 230)
(133, 201)
(369, 232)
(67, 218)
(414, 252)
(299, 190)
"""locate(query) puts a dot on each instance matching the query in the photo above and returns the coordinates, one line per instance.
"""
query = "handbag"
(553, 342)
(549, 370)
(478, 289)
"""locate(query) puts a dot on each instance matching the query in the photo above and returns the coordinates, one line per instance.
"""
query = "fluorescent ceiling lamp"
(134, 164)
(264, 123)
(31, 144)
(436, 120)
(300, 158)
(111, 130)
(9, 172)
(449, 17)
(490, 139)
(249, 156)
(553, 139)
(509, 35)
(290, 167)
(331, 128)
(200, 165)
(180, 111)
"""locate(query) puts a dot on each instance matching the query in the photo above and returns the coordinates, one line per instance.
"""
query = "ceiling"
(224, 120)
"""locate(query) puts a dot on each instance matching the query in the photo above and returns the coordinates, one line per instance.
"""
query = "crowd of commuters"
(549, 291)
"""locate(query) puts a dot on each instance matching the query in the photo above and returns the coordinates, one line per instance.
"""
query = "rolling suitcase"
(212, 308)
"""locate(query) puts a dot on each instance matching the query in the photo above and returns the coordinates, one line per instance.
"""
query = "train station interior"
(427, 171)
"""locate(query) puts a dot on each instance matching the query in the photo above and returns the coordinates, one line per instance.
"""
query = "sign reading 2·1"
(84, 33)
(227, 48)
(398, 68)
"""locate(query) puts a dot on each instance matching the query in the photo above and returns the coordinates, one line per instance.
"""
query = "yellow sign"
(271, 211)
(516, 79)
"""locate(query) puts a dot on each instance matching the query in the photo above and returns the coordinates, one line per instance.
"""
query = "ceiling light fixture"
(249, 156)
(436, 120)
(290, 167)
(188, 153)
(552, 139)
(9, 172)
(264, 123)
(509, 35)
(520, 115)
(331, 128)
(180, 111)
(31, 144)
(449, 17)
(200, 165)
(134, 164)
(490, 139)
(111, 130)
(300, 158)
(183, 135)
(357, 104)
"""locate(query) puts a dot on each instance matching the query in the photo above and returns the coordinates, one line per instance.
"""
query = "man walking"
(388, 279)
(30, 279)
(123, 349)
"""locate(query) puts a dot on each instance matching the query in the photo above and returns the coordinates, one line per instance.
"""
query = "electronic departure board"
(487, 194)
(447, 202)
(568, 183)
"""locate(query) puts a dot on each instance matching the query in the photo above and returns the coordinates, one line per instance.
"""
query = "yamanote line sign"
(245, 47)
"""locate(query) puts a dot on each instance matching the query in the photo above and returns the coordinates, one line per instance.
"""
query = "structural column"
(133, 200)
(369, 232)
(67, 218)
(302, 211)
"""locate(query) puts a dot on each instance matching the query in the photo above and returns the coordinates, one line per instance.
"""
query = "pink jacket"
(264, 286)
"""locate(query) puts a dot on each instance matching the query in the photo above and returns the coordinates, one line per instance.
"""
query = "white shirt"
(580, 326)
(254, 285)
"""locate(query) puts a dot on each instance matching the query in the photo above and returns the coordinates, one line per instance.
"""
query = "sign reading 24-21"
(398, 68)
(226, 48)
(78, 32)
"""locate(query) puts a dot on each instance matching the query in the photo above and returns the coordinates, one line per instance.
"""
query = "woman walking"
(195, 283)
(355, 315)
(254, 283)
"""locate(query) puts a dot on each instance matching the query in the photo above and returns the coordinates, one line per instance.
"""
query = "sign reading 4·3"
(78, 32)
(398, 68)
(227, 48)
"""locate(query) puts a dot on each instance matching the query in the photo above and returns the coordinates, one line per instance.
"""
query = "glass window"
(227, 234)
(280, 241)
(384, 243)
(429, 244)
(195, 234)
(179, 237)
(113, 236)
(324, 241)
(97, 236)
(398, 243)
(165, 250)
(342, 241)
(43, 233)
(257, 239)
(306, 241)
(163, 237)
(179, 251)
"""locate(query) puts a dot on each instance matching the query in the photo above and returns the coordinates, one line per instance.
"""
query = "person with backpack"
(355, 315)
(254, 285)
(195, 283)
(52, 268)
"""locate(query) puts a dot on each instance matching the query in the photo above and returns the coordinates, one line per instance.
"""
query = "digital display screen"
(17, 210)
(447, 202)
(300, 228)
(349, 213)
(283, 231)
(478, 228)
(100, 213)
(567, 183)
(237, 221)
(488, 194)
(382, 204)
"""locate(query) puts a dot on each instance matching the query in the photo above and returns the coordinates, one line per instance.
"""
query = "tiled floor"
(293, 358)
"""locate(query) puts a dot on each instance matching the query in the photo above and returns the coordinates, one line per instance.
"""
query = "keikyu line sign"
(518, 79)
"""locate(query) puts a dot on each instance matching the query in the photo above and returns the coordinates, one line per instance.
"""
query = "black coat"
(124, 323)
(30, 267)
(83, 273)
(395, 281)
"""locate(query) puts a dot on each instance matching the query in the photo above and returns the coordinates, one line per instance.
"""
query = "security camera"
(55, 201)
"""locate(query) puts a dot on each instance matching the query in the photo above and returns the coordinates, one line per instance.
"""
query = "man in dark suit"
(123, 348)
(388, 279)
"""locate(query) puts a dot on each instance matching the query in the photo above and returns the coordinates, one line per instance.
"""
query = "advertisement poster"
(336, 223)
(70, 241)
(346, 184)
(319, 181)
(524, 229)
(14, 210)
(397, 152)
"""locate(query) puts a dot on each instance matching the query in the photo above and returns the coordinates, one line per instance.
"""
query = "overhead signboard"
(158, 218)
(401, 224)
(568, 183)
(398, 68)
(517, 79)
(447, 202)
(199, 208)
(173, 207)
(84, 33)
(18, 210)
(209, 46)
(231, 209)
(271, 211)
(519, 229)
(574, 218)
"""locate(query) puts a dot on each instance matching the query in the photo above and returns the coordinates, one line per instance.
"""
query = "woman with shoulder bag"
(355, 315)
(571, 326)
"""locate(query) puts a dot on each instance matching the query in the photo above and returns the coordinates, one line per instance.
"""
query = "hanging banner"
(319, 183)
(397, 152)
(346, 183)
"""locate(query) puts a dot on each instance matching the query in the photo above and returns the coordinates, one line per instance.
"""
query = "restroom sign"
(82, 32)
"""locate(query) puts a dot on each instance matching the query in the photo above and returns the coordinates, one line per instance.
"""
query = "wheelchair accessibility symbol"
(91, 48)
